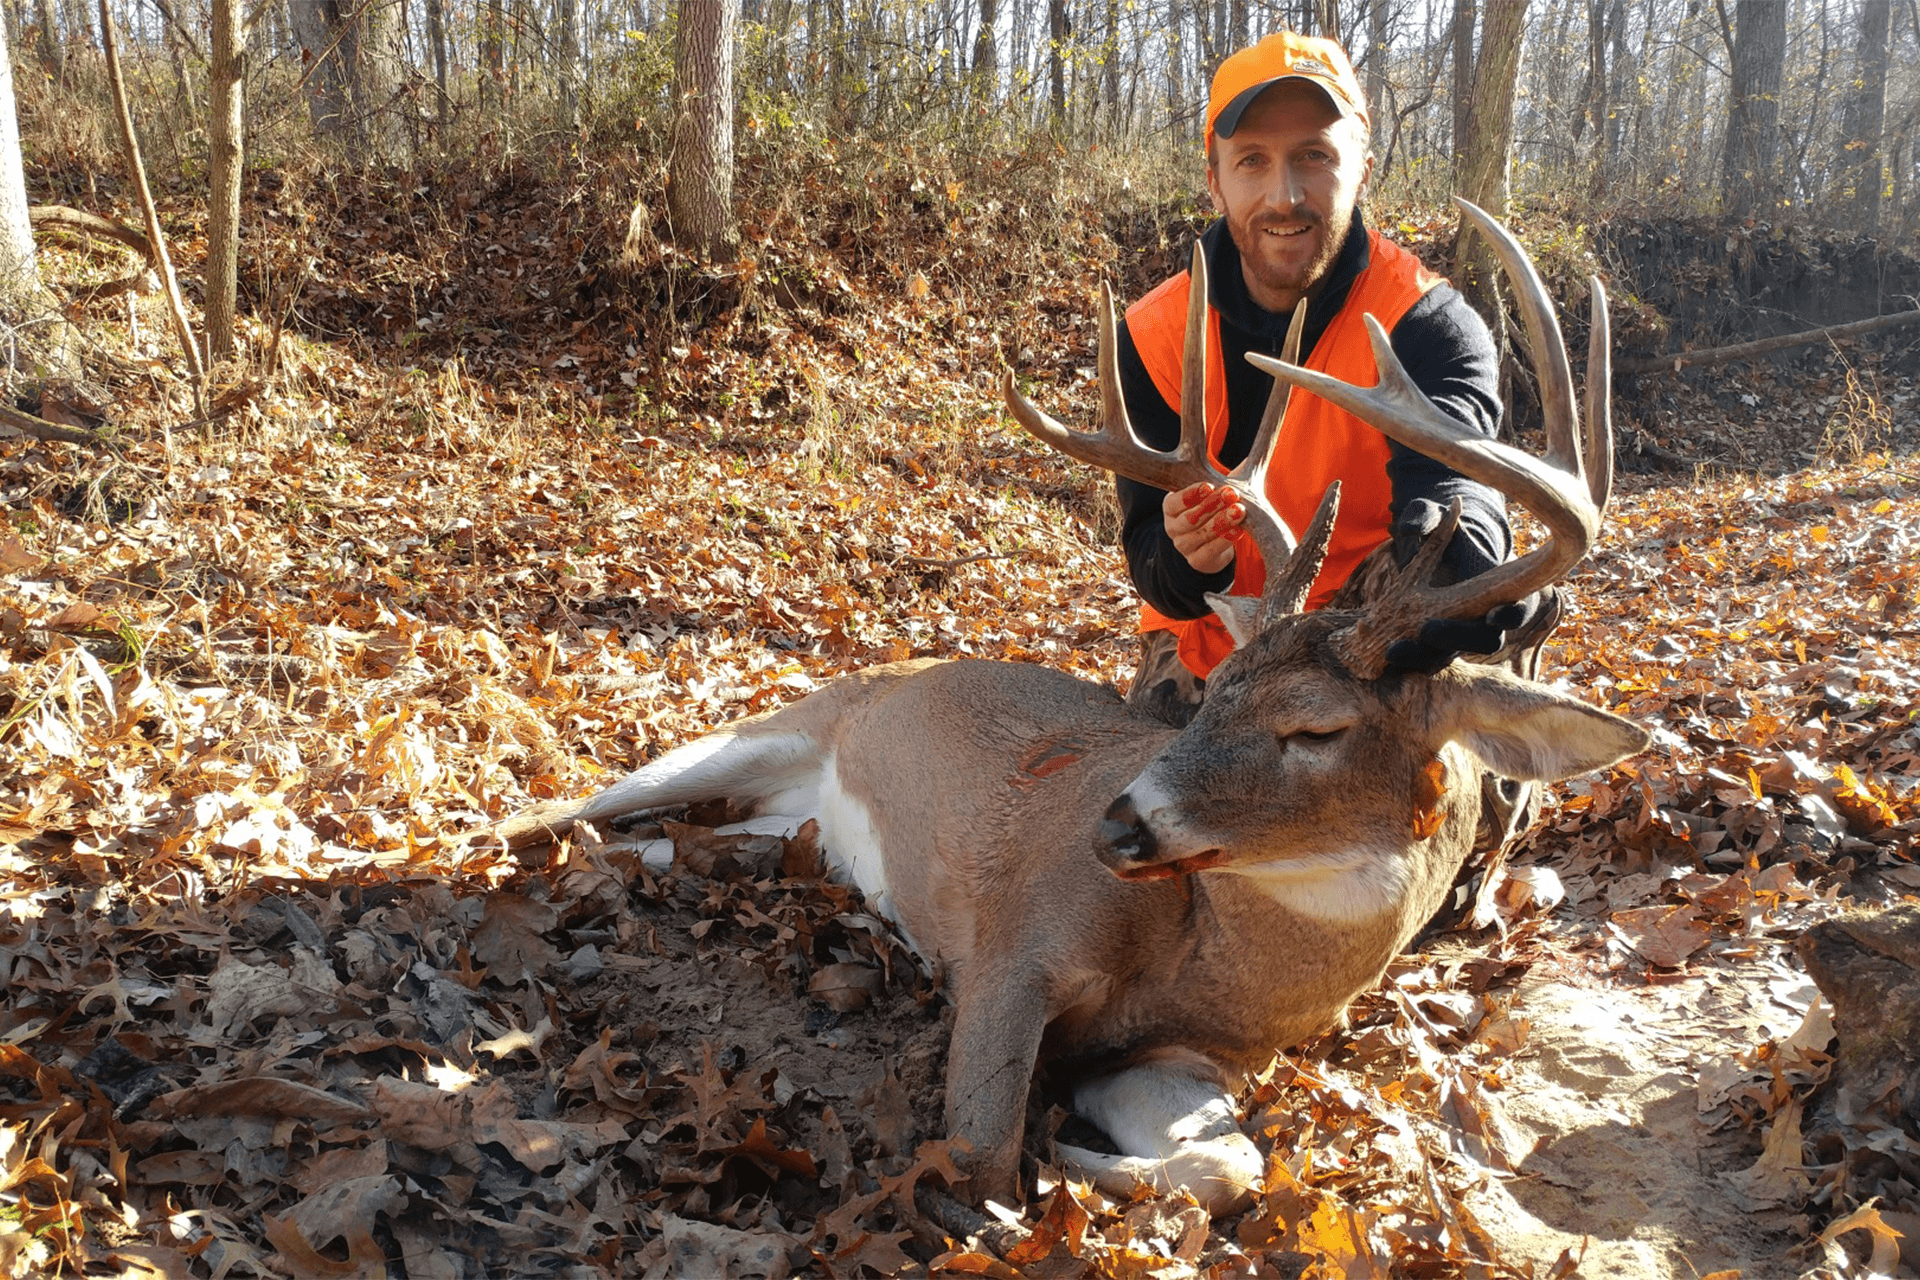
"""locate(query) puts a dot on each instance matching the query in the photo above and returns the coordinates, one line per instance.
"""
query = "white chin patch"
(1338, 888)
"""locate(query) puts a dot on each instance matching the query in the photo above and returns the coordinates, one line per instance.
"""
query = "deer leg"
(997, 1024)
(1175, 1129)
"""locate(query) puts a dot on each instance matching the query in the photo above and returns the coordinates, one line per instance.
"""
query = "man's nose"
(1284, 191)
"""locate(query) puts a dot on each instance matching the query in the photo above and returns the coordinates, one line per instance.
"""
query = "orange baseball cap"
(1284, 55)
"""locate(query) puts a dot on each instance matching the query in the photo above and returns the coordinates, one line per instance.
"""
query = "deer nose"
(1124, 835)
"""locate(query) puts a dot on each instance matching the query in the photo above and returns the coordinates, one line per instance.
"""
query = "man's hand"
(1440, 640)
(1201, 519)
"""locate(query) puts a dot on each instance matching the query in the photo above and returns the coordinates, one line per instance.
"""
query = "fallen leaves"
(273, 1010)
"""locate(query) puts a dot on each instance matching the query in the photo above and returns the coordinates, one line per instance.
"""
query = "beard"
(1270, 272)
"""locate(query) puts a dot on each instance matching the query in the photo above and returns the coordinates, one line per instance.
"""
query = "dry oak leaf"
(1776, 1178)
(342, 1212)
(1064, 1223)
(241, 992)
(722, 1253)
(845, 987)
(338, 1164)
(421, 1114)
(758, 1146)
(508, 941)
(1665, 936)
(542, 1144)
(259, 1096)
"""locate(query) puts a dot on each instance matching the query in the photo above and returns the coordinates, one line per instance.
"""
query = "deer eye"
(1317, 735)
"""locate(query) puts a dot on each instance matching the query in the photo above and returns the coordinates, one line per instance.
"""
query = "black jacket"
(1446, 349)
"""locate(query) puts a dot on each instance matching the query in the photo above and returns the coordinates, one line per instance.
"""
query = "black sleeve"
(1449, 353)
(1161, 574)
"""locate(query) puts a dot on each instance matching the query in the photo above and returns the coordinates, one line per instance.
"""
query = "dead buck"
(1156, 912)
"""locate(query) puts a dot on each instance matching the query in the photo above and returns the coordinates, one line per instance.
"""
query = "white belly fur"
(851, 845)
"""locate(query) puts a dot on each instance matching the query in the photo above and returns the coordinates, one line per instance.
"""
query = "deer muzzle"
(1128, 845)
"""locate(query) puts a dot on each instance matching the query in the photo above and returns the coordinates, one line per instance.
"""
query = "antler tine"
(1555, 489)
(1116, 447)
(1253, 468)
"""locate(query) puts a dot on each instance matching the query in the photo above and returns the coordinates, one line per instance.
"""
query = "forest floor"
(498, 514)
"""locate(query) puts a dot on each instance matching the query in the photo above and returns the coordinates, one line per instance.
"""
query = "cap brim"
(1228, 120)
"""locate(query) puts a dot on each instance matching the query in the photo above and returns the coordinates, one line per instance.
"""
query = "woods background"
(549, 383)
(1768, 108)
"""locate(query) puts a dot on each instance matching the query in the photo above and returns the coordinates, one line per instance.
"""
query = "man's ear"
(1213, 186)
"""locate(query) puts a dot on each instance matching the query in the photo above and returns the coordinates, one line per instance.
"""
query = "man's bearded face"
(1287, 182)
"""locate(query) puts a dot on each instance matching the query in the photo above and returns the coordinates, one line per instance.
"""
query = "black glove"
(1442, 639)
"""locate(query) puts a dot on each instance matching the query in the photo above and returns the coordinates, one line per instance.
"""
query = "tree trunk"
(437, 48)
(52, 55)
(1750, 173)
(19, 274)
(700, 194)
(1863, 116)
(493, 67)
(986, 53)
(1463, 17)
(566, 46)
(1485, 164)
(1057, 33)
(1377, 58)
(1485, 167)
(330, 42)
(226, 129)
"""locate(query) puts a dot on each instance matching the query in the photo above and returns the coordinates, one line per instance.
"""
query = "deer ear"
(1519, 729)
(1241, 614)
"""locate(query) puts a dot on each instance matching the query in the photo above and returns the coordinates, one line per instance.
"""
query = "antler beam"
(1565, 490)
(1117, 448)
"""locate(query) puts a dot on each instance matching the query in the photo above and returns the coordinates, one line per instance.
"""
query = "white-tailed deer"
(1156, 912)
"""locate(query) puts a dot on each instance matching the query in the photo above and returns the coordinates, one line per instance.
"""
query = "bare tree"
(1750, 173)
(986, 53)
(700, 195)
(331, 34)
(1864, 114)
(437, 50)
(18, 272)
(1485, 169)
(226, 133)
(1463, 21)
(1058, 30)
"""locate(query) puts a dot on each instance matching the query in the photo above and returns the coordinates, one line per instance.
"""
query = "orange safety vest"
(1319, 442)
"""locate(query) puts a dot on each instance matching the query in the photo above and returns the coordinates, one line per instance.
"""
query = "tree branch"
(64, 218)
(41, 429)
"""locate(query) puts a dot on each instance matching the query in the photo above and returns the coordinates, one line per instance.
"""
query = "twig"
(929, 562)
(962, 1223)
(162, 261)
(1748, 350)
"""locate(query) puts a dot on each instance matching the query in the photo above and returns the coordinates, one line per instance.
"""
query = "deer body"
(1156, 911)
(968, 800)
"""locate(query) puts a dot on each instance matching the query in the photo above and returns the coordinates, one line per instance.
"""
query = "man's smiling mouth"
(1285, 231)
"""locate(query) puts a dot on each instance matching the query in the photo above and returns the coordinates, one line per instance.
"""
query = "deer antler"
(1115, 447)
(1565, 490)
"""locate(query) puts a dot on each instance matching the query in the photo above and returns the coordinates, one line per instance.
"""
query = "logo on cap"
(1308, 65)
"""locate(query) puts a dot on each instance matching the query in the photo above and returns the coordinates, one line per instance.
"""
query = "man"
(1287, 167)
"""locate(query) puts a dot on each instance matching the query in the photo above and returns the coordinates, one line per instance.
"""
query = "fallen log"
(1868, 966)
(1748, 350)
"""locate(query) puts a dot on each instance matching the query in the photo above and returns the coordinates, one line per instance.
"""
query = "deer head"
(1303, 727)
